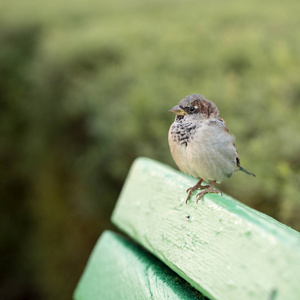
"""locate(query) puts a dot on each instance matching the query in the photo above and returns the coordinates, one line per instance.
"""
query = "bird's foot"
(209, 189)
(193, 188)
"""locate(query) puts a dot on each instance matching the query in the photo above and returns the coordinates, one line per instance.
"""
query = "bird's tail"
(246, 171)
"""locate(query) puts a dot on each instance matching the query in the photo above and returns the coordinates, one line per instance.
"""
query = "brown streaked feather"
(205, 107)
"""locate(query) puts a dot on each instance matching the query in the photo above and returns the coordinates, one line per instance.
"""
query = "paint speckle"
(188, 218)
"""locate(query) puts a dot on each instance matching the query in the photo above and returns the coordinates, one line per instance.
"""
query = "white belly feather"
(209, 154)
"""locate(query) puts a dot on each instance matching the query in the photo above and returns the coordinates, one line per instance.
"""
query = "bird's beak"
(177, 110)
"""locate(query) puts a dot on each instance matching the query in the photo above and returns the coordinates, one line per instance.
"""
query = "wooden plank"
(223, 248)
(120, 269)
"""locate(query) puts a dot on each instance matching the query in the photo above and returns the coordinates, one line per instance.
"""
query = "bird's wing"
(221, 125)
(220, 121)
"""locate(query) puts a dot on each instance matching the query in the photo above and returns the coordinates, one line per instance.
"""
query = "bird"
(201, 144)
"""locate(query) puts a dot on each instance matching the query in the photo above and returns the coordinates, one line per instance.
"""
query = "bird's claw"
(190, 191)
(207, 191)
(193, 188)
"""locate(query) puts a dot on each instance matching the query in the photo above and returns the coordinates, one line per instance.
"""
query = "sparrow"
(201, 144)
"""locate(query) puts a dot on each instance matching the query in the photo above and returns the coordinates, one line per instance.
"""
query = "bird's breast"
(181, 137)
(183, 133)
(202, 150)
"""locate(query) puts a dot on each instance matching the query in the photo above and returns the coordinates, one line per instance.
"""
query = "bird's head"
(194, 108)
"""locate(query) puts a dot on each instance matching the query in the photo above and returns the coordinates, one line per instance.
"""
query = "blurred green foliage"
(85, 87)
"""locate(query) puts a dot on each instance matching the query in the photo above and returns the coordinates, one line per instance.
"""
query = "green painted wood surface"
(118, 269)
(223, 248)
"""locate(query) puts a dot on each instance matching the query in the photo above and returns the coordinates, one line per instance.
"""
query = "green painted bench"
(219, 249)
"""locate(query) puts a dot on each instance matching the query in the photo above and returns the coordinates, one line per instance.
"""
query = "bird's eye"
(192, 109)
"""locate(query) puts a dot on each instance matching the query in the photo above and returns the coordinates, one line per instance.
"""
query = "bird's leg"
(195, 187)
(209, 189)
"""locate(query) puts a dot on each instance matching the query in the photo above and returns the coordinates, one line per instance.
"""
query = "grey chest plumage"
(183, 132)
